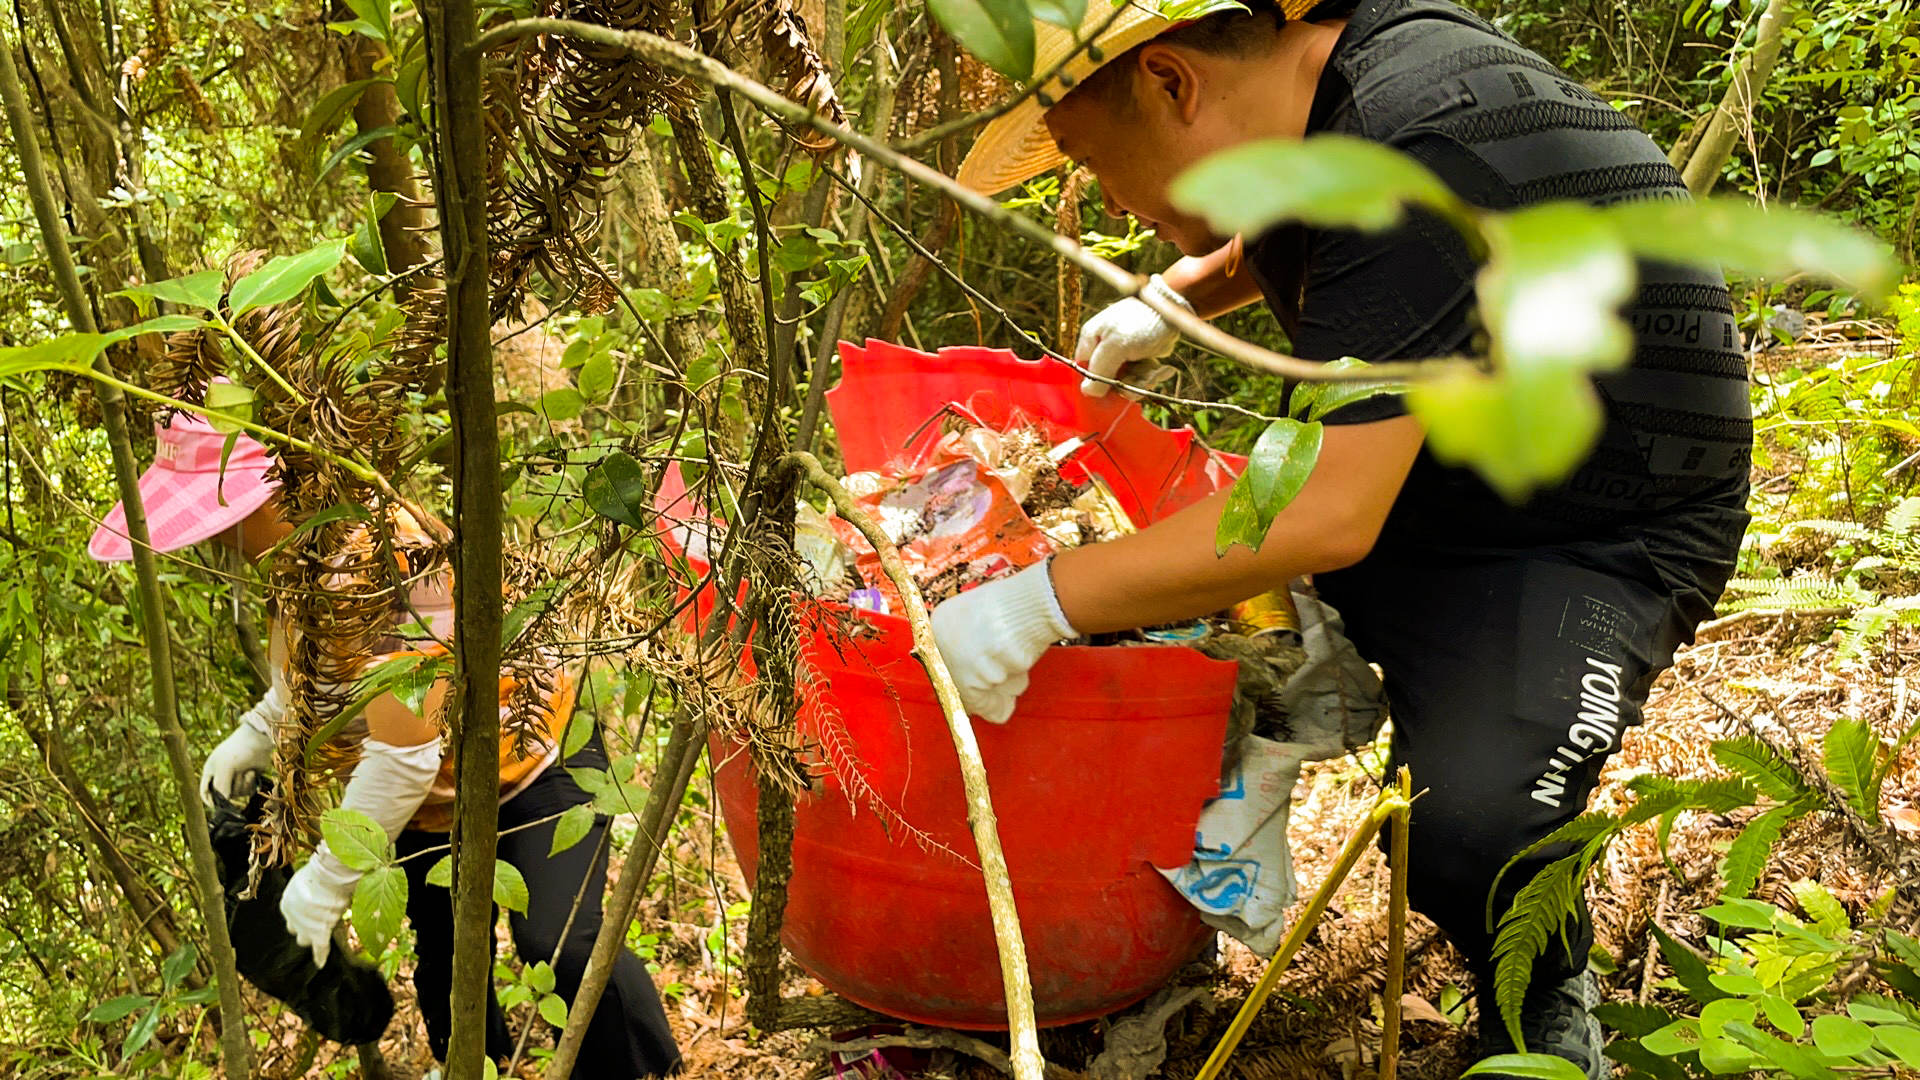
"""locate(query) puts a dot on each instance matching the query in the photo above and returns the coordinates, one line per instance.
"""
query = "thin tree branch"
(673, 56)
(1014, 976)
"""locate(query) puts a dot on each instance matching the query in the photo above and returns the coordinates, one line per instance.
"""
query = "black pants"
(1511, 676)
(628, 1037)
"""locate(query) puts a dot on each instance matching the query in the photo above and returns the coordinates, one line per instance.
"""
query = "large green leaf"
(1314, 400)
(118, 1008)
(329, 109)
(1065, 14)
(366, 246)
(360, 141)
(379, 904)
(1239, 521)
(1850, 752)
(1520, 430)
(574, 823)
(1765, 242)
(999, 32)
(177, 964)
(616, 489)
(1902, 1042)
(1528, 1066)
(1551, 291)
(284, 277)
(1280, 463)
(355, 839)
(509, 887)
(228, 402)
(1329, 180)
(1841, 1036)
(201, 290)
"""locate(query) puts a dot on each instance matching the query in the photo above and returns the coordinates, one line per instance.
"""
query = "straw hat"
(1016, 146)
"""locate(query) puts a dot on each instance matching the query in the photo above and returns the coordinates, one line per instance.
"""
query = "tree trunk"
(460, 186)
(166, 707)
(403, 229)
(657, 265)
(1723, 128)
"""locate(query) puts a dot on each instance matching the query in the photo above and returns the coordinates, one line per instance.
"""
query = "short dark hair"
(1234, 33)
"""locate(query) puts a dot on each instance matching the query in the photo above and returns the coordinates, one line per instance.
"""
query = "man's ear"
(1170, 80)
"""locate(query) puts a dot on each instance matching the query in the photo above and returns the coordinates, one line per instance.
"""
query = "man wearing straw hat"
(1517, 642)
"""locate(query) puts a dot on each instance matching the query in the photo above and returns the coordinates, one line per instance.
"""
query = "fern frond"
(1541, 910)
(1591, 830)
(1851, 754)
(1801, 592)
(1843, 530)
(1658, 795)
(1828, 916)
(1861, 630)
(1747, 858)
(1904, 519)
(1754, 759)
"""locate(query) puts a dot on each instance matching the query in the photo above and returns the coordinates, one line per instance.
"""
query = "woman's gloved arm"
(388, 785)
(249, 748)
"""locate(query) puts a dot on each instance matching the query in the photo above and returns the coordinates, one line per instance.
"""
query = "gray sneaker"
(1555, 1018)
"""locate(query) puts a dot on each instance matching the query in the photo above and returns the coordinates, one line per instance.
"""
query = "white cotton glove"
(388, 785)
(1124, 333)
(249, 748)
(991, 637)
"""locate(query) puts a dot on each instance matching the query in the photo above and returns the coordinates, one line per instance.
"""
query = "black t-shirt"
(1504, 128)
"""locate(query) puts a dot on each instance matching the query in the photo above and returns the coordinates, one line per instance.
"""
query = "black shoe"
(1555, 1018)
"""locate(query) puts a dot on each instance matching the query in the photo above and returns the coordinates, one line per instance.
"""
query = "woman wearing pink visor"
(400, 779)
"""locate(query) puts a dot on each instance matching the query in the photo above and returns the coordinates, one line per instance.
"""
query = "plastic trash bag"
(346, 1001)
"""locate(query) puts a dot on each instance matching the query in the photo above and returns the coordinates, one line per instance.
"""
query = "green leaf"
(1874, 1009)
(562, 404)
(1637, 1057)
(616, 489)
(329, 514)
(1183, 10)
(1551, 291)
(142, 1032)
(410, 687)
(355, 839)
(574, 823)
(118, 1008)
(377, 17)
(1773, 242)
(1841, 1036)
(1520, 430)
(366, 246)
(441, 873)
(1901, 1042)
(553, 1010)
(524, 612)
(611, 796)
(284, 277)
(1632, 1019)
(1065, 14)
(227, 402)
(999, 32)
(1796, 1060)
(1827, 914)
(540, 977)
(353, 146)
(379, 905)
(1850, 752)
(1781, 1014)
(201, 290)
(1332, 181)
(579, 730)
(1746, 914)
(1722, 1056)
(165, 324)
(1314, 400)
(178, 964)
(1679, 1037)
(1280, 463)
(509, 888)
(1239, 520)
(1746, 858)
(1688, 968)
(596, 377)
(1528, 1066)
(328, 111)
(1755, 760)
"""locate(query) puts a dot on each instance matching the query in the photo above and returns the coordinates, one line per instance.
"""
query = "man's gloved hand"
(249, 748)
(1124, 333)
(992, 635)
(315, 898)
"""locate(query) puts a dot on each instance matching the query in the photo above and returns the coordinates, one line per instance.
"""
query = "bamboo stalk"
(460, 185)
(234, 1053)
(1397, 822)
(1014, 978)
(1715, 144)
